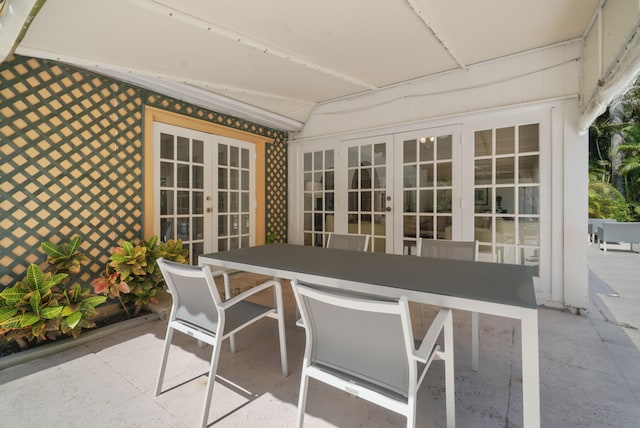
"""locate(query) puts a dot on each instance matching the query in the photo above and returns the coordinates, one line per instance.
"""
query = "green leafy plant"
(64, 257)
(38, 308)
(132, 274)
(41, 306)
(606, 202)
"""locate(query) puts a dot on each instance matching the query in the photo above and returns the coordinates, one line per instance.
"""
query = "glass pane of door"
(234, 196)
(507, 194)
(318, 196)
(181, 190)
(368, 195)
(427, 188)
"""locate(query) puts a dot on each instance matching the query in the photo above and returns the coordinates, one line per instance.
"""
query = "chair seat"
(243, 312)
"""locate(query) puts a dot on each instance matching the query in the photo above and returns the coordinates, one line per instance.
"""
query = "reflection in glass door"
(319, 197)
(507, 194)
(427, 188)
(368, 199)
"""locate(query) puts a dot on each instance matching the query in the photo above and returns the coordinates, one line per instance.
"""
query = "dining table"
(504, 290)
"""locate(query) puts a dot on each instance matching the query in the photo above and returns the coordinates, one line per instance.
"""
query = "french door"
(203, 190)
(428, 185)
(365, 192)
(394, 188)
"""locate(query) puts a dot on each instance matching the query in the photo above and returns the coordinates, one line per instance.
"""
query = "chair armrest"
(428, 345)
(217, 272)
(258, 288)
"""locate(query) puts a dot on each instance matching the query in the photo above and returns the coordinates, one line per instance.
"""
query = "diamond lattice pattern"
(71, 163)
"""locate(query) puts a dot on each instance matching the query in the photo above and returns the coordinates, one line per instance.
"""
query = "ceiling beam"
(214, 28)
(425, 20)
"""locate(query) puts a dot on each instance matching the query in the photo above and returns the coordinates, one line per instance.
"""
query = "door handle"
(209, 210)
(388, 209)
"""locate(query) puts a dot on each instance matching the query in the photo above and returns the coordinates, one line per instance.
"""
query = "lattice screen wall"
(71, 162)
(71, 147)
(276, 190)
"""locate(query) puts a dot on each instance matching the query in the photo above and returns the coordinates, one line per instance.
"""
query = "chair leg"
(212, 378)
(283, 341)
(449, 373)
(163, 362)
(302, 400)
(411, 415)
(475, 326)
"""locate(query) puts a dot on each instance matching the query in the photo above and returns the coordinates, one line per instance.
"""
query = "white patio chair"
(348, 242)
(456, 250)
(364, 345)
(343, 242)
(198, 311)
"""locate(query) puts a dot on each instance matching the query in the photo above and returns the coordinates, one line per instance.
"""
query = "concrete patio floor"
(589, 372)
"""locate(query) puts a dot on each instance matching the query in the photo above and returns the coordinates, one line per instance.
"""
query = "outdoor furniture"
(456, 250)
(343, 242)
(490, 288)
(363, 344)
(613, 231)
(198, 311)
(594, 224)
(348, 242)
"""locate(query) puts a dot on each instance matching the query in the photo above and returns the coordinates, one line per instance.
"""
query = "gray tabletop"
(490, 282)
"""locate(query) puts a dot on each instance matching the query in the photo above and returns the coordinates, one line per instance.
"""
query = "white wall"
(543, 84)
(539, 75)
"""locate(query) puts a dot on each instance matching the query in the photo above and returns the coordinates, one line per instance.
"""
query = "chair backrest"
(445, 249)
(348, 242)
(365, 337)
(195, 298)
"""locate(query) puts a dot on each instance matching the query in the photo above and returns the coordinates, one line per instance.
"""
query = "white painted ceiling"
(281, 58)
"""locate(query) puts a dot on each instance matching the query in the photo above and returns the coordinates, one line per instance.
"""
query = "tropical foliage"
(614, 159)
(41, 306)
(132, 274)
(606, 202)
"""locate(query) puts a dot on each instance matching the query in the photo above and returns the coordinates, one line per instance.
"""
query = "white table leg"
(530, 369)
